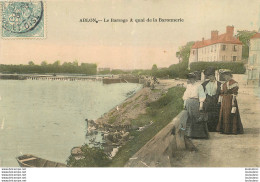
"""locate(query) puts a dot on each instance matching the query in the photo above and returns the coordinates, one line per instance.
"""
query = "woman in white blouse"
(193, 101)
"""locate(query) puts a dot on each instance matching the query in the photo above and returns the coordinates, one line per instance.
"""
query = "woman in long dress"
(193, 102)
(211, 88)
(229, 117)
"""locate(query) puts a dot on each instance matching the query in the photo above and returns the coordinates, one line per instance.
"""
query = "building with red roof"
(253, 67)
(223, 47)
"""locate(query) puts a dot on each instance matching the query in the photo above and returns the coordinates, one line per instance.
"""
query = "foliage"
(93, 157)
(184, 52)
(244, 36)
(162, 73)
(44, 63)
(31, 63)
(104, 72)
(179, 70)
(154, 69)
(161, 112)
(118, 71)
(56, 67)
(235, 67)
(141, 72)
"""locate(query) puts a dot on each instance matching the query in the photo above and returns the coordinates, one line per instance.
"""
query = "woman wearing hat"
(211, 88)
(229, 117)
(193, 102)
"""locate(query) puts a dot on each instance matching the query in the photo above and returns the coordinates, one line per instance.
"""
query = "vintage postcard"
(129, 84)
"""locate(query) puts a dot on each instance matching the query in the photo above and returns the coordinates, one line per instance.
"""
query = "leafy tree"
(31, 63)
(75, 63)
(184, 52)
(244, 36)
(44, 63)
(181, 69)
(178, 55)
(87, 68)
(154, 69)
(56, 63)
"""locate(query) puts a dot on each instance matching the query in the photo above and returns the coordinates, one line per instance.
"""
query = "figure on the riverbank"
(193, 102)
(229, 117)
(155, 80)
(147, 82)
(211, 107)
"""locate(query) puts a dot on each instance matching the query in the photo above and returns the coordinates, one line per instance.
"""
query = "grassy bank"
(160, 112)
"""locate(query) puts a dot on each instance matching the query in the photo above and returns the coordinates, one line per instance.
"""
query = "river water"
(47, 118)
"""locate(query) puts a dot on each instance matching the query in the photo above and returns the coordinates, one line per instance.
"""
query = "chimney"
(230, 31)
(214, 35)
(202, 39)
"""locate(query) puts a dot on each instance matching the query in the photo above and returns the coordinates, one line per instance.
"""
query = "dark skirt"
(212, 109)
(195, 127)
(229, 123)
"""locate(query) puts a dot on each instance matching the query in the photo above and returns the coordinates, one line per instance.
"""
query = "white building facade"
(224, 47)
(253, 68)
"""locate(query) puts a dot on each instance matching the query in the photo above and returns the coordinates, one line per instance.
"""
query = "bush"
(179, 70)
(93, 157)
(235, 67)
(162, 73)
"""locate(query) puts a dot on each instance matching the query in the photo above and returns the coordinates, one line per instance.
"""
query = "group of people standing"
(211, 106)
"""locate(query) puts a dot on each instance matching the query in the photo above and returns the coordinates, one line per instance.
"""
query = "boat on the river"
(29, 160)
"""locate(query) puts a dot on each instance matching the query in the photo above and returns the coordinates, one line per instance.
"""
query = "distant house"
(224, 47)
(253, 68)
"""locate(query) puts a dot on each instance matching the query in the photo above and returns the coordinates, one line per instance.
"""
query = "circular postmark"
(21, 17)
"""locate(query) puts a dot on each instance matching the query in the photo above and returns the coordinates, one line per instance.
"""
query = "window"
(235, 48)
(193, 52)
(251, 60)
(254, 74)
(252, 45)
(224, 47)
(250, 74)
(234, 58)
(215, 48)
(254, 58)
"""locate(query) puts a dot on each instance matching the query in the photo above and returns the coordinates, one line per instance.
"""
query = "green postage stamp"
(22, 19)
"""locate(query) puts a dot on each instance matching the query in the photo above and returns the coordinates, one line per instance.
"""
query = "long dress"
(195, 128)
(211, 106)
(229, 123)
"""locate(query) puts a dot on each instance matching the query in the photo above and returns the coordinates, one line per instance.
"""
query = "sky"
(127, 45)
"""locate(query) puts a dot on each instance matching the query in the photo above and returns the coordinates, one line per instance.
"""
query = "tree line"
(56, 67)
(179, 70)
